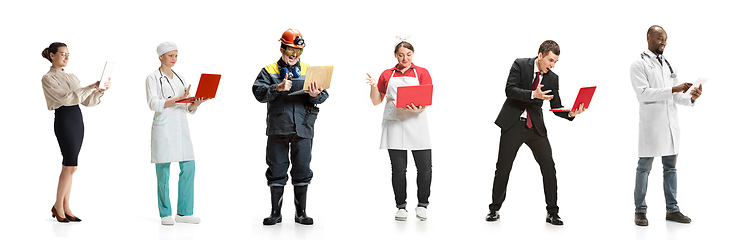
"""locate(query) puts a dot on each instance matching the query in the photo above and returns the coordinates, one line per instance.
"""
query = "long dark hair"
(52, 49)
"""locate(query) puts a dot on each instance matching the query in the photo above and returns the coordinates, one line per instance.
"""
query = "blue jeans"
(184, 188)
(669, 183)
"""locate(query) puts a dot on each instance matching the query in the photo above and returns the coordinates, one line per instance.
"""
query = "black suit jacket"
(518, 96)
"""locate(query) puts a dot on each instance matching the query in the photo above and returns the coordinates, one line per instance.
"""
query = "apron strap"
(413, 69)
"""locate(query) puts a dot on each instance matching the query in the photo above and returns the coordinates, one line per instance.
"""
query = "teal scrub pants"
(184, 189)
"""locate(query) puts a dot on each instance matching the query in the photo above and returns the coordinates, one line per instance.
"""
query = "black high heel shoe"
(72, 218)
(58, 218)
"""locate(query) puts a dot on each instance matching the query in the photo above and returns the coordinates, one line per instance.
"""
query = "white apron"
(403, 129)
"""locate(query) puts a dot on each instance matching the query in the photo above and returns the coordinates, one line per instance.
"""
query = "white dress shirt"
(532, 96)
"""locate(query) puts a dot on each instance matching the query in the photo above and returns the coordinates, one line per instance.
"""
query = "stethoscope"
(672, 74)
(168, 81)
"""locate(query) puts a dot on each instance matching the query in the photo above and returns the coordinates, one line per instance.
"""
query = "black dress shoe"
(641, 219)
(554, 219)
(492, 216)
(677, 217)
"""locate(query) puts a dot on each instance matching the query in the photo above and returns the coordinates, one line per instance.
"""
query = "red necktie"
(534, 87)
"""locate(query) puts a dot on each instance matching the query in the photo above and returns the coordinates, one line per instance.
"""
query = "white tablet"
(696, 85)
(108, 66)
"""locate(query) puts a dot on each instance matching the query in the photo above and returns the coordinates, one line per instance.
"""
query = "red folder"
(420, 95)
(206, 87)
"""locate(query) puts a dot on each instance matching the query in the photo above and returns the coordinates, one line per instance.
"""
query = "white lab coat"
(170, 136)
(659, 133)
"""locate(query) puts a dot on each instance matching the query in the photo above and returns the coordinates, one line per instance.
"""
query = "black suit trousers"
(511, 141)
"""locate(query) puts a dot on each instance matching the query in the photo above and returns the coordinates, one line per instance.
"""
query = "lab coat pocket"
(159, 120)
(159, 129)
(159, 139)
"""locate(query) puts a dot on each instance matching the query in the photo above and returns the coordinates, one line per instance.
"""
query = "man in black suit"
(529, 83)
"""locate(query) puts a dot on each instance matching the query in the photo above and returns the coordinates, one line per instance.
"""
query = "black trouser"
(69, 133)
(280, 149)
(423, 162)
(511, 141)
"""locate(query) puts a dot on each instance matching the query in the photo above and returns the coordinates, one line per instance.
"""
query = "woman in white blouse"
(170, 136)
(63, 93)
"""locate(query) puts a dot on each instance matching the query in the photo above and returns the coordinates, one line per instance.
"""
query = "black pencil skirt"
(69, 133)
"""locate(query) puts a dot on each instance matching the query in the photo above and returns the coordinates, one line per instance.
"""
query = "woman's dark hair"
(52, 49)
(404, 45)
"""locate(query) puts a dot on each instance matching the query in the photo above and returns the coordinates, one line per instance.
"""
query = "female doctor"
(170, 137)
(405, 129)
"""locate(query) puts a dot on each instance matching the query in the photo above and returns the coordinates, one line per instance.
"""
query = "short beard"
(658, 51)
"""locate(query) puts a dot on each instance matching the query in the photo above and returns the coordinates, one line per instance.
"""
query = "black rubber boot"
(276, 206)
(301, 195)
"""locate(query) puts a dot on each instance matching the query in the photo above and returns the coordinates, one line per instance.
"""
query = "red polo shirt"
(422, 75)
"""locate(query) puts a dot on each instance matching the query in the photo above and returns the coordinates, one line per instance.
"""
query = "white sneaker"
(168, 221)
(421, 213)
(401, 215)
(187, 219)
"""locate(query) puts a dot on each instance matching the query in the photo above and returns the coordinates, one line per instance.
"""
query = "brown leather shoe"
(677, 217)
(641, 219)
(58, 218)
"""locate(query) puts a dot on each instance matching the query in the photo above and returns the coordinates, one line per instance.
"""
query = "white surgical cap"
(165, 47)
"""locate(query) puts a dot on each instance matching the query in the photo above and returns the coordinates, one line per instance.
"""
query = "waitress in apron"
(405, 128)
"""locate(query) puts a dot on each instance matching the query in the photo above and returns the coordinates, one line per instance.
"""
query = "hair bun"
(53, 48)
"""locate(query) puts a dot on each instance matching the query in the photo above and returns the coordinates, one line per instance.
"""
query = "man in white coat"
(658, 91)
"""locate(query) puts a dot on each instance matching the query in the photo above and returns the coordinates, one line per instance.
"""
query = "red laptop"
(206, 87)
(585, 96)
(420, 95)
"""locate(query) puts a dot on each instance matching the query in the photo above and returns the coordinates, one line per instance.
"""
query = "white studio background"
(468, 47)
